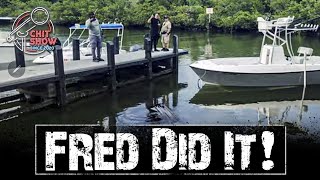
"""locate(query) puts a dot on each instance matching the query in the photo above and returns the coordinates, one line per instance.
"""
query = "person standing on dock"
(95, 36)
(165, 33)
(154, 20)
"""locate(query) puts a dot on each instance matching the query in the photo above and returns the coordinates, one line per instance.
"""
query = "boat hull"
(257, 79)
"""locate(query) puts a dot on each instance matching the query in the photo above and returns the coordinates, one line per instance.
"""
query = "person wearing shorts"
(165, 33)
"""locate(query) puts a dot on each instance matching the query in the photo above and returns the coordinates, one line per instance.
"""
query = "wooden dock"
(60, 71)
(38, 73)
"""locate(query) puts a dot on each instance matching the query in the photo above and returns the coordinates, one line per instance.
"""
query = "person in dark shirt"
(154, 20)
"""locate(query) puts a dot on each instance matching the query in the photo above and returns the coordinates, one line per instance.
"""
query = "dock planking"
(45, 73)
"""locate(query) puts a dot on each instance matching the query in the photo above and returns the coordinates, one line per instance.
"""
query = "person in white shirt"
(95, 36)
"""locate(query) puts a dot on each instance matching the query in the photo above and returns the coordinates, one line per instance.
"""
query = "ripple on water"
(159, 114)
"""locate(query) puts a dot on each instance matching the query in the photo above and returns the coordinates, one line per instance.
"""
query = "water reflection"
(165, 101)
(208, 47)
(272, 106)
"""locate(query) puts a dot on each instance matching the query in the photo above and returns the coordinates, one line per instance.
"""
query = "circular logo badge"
(38, 20)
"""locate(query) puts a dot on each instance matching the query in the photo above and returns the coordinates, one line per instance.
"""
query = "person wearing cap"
(94, 36)
(165, 33)
(154, 20)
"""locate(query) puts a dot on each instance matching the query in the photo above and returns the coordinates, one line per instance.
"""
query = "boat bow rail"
(77, 32)
(119, 27)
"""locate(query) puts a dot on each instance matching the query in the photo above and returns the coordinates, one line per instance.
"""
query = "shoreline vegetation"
(229, 15)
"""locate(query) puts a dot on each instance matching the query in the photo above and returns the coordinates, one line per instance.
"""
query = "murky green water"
(193, 104)
(188, 101)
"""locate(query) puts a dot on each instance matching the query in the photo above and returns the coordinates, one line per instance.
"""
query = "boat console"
(280, 32)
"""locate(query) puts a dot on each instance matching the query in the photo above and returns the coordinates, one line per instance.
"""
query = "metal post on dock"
(20, 60)
(76, 49)
(144, 37)
(112, 64)
(147, 45)
(175, 59)
(61, 92)
(116, 45)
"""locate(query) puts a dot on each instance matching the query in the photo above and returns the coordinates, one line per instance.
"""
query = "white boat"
(85, 46)
(273, 67)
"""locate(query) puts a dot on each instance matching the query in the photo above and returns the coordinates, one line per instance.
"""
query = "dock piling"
(116, 45)
(175, 59)
(61, 92)
(144, 37)
(20, 60)
(112, 64)
(147, 36)
(76, 49)
(147, 45)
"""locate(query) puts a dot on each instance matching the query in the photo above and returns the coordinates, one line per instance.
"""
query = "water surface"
(183, 99)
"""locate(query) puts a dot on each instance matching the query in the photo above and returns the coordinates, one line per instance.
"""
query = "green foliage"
(234, 14)
(188, 16)
(228, 15)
